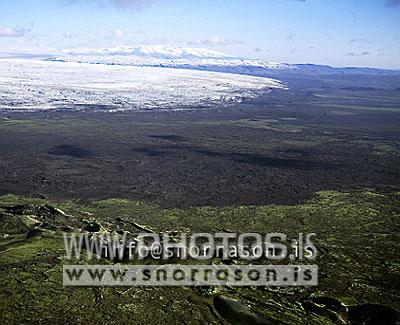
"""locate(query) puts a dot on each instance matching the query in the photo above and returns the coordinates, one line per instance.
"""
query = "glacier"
(50, 83)
(204, 60)
(166, 56)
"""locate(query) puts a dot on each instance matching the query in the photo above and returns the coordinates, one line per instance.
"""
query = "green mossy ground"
(357, 239)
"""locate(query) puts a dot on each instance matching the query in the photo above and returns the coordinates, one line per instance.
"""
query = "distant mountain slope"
(324, 69)
(203, 59)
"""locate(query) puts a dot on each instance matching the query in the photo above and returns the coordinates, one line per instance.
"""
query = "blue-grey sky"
(334, 32)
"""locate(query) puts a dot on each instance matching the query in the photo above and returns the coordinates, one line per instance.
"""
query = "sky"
(332, 32)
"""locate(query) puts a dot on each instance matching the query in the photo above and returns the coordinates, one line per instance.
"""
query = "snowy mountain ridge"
(167, 56)
(203, 59)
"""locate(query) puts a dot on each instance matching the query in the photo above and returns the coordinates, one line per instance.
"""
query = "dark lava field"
(274, 151)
